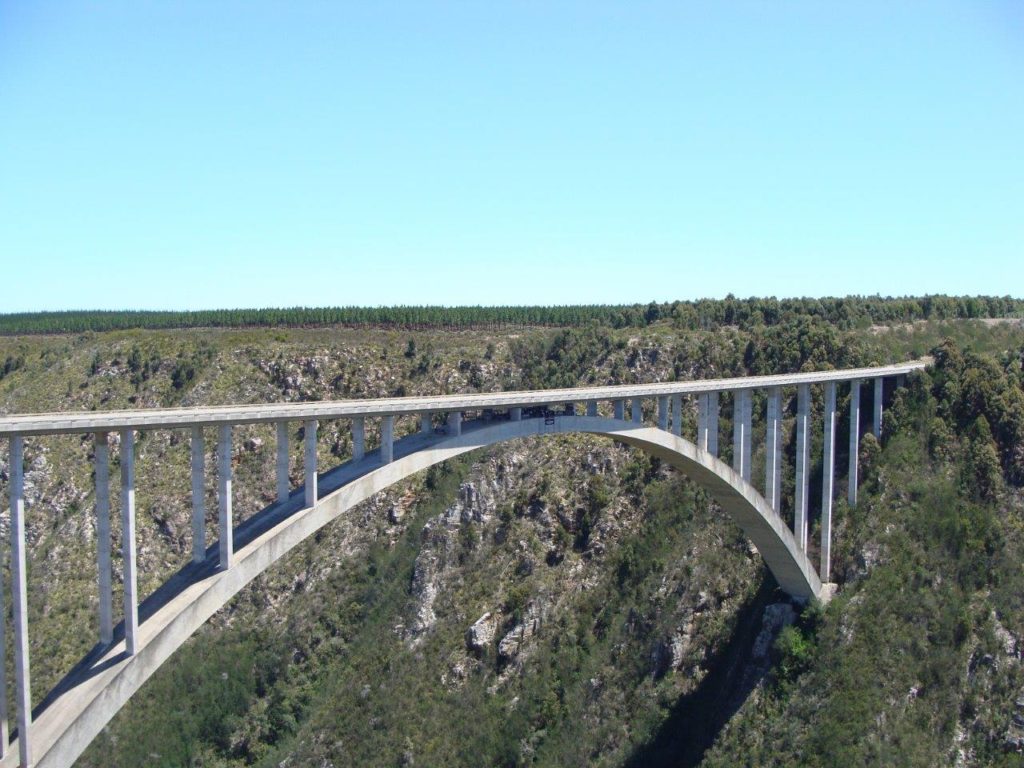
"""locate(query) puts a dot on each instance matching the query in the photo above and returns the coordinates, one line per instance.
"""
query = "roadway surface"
(174, 418)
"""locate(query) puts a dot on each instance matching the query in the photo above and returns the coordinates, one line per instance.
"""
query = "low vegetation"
(562, 601)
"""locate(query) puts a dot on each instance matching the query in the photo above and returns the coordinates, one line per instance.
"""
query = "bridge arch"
(76, 711)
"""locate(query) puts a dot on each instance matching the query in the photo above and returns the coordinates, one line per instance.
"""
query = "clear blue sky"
(198, 154)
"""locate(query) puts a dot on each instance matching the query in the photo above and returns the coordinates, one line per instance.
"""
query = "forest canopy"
(846, 313)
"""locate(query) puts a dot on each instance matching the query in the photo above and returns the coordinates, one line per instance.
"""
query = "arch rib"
(85, 701)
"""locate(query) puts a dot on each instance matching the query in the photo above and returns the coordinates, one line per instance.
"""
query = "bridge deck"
(173, 418)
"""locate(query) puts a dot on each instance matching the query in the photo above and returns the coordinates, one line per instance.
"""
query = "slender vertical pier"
(387, 439)
(677, 415)
(741, 417)
(128, 556)
(803, 445)
(309, 462)
(638, 410)
(198, 495)
(713, 423)
(5, 730)
(19, 587)
(663, 412)
(226, 547)
(358, 438)
(702, 421)
(284, 483)
(828, 459)
(773, 449)
(103, 543)
(851, 493)
(876, 409)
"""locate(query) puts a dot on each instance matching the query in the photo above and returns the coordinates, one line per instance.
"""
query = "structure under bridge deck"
(128, 652)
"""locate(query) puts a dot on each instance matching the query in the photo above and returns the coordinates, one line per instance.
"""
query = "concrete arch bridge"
(70, 716)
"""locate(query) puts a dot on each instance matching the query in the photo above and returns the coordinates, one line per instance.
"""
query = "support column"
(876, 409)
(358, 438)
(637, 410)
(227, 544)
(103, 547)
(620, 409)
(198, 496)
(851, 495)
(310, 463)
(741, 433)
(131, 596)
(284, 483)
(5, 732)
(592, 408)
(713, 423)
(773, 449)
(455, 423)
(663, 412)
(19, 587)
(387, 439)
(803, 419)
(748, 420)
(426, 424)
(515, 414)
(828, 454)
(677, 415)
(702, 421)
(570, 409)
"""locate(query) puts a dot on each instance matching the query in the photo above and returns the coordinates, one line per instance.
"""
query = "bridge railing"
(442, 414)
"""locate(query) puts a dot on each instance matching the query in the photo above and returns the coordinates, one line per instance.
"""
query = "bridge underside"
(82, 704)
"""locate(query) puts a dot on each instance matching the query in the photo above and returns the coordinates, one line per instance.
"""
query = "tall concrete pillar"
(358, 438)
(876, 409)
(677, 415)
(748, 435)
(284, 483)
(455, 423)
(620, 409)
(19, 587)
(713, 423)
(638, 410)
(103, 545)
(515, 414)
(426, 423)
(131, 596)
(702, 421)
(309, 460)
(663, 412)
(803, 446)
(828, 459)
(773, 449)
(851, 493)
(387, 439)
(198, 496)
(5, 731)
(570, 409)
(741, 417)
(592, 408)
(226, 548)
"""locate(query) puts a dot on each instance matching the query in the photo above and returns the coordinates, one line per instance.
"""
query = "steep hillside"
(552, 602)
